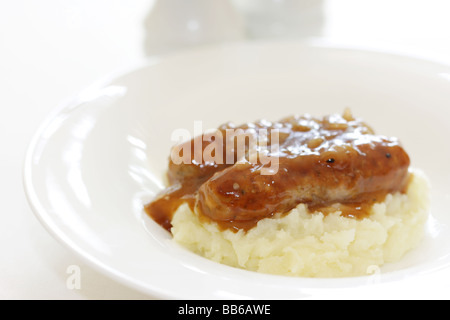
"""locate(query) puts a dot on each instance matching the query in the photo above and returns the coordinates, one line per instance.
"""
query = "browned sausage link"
(196, 166)
(354, 166)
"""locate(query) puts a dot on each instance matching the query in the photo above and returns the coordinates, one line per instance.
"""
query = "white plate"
(98, 159)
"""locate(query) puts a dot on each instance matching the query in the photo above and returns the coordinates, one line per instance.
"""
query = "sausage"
(335, 160)
(320, 162)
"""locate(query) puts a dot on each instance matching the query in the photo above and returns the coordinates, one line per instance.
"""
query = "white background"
(49, 50)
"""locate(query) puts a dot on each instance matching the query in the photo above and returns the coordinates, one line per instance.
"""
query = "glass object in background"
(282, 18)
(177, 24)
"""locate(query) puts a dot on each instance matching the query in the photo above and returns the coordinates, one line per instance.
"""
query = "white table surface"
(51, 49)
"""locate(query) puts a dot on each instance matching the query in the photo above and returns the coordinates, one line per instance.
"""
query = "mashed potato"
(301, 243)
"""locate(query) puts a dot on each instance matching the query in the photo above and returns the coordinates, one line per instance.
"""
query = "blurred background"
(51, 49)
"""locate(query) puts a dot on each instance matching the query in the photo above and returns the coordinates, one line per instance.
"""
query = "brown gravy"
(329, 164)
